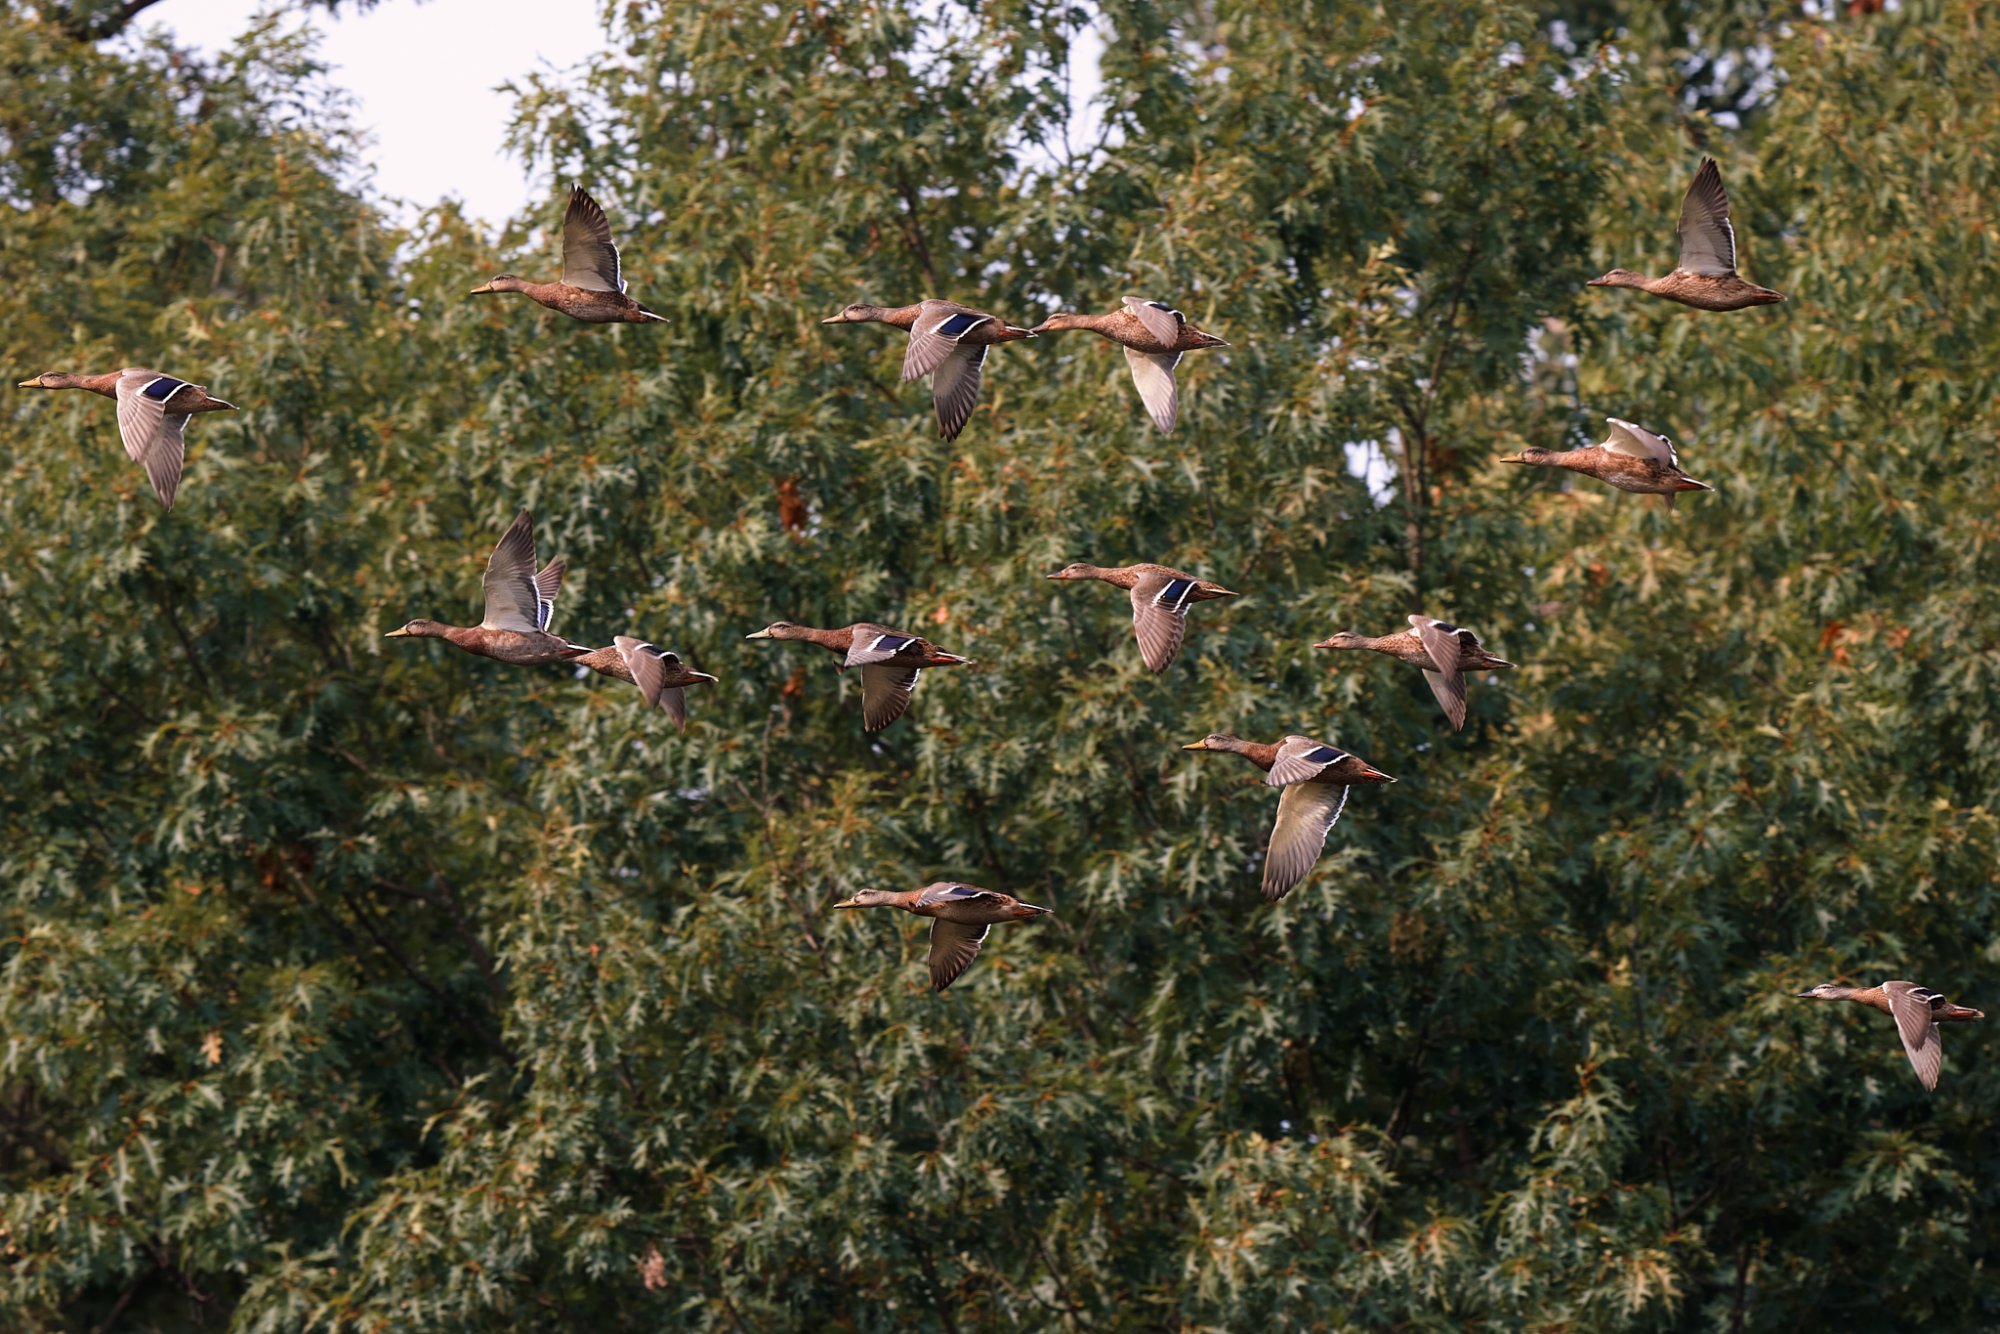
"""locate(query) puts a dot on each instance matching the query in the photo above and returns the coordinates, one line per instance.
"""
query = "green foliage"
(361, 985)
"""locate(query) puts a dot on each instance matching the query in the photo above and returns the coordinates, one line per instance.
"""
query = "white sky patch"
(1367, 462)
(425, 78)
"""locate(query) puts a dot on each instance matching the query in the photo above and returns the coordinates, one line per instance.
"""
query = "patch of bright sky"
(425, 79)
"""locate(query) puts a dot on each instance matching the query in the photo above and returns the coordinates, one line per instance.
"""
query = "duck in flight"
(660, 675)
(1154, 336)
(890, 662)
(591, 289)
(1917, 1011)
(1631, 459)
(153, 410)
(1314, 778)
(520, 601)
(960, 914)
(1446, 652)
(1161, 596)
(1706, 276)
(947, 342)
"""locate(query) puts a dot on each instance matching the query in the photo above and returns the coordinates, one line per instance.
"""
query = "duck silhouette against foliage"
(592, 287)
(520, 601)
(960, 914)
(153, 411)
(1446, 652)
(1631, 459)
(890, 662)
(1154, 336)
(947, 342)
(1706, 276)
(1917, 1011)
(1314, 777)
(1161, 596)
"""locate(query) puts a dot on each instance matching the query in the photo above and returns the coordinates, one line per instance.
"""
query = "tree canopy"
(354, 985)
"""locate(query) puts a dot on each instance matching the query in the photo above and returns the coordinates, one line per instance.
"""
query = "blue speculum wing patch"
(957, 892)
(955, 325)
(893, 643)
(655, 651)
(163, 388)
(1175, 594)
(1324, 755)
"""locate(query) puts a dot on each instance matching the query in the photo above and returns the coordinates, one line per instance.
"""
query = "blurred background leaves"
(355, 986)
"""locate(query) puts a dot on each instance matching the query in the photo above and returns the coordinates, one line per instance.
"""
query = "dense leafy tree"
(363, 985)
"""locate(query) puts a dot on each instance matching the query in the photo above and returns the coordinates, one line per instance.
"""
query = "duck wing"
(155, 436)
(1153, 374)
(1301, 759)
(955, 391)
(1446, 680)
(513, 597)
(1306, 813)
(954, 945)
(1637, 442)
(1911, 1005)
(1159, 616)
(936, 335)
(590, 256)
(649, 666)
(547, 584)
(1160, 319)
(1708, 241)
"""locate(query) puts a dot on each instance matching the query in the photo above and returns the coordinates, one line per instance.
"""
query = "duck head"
(1619, 278)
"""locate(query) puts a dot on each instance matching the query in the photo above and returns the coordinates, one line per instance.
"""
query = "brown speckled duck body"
(1314, 778)
(153, 410)
(948, 342)
(1706, 276)
(1154, 336)
(1161, 596)
(520, 601)
(890, 662)
(592, 288)
(661, 676)
(1444, 651)
(1917, 1011)
(1632, 459)
(960, 914)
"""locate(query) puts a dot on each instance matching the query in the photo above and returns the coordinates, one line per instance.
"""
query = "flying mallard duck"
(1917, 1011)
(1154, 335)
(961, 916)
(1161, 597)
(592, 289)
(519, 604)
(1632, 459)
(1446, 652)
(153, 410)
(661, 676)
(890, 662)
(946, 339)
(1706, 277)
(1315, 778)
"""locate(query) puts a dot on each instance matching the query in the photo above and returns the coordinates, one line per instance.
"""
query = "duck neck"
(606, 662)
(1070, 319)
(105, 384)
(1116, 575)
(902, 317)
(1259, 753)
(837, 641)
(1575, 460)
